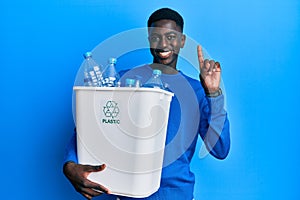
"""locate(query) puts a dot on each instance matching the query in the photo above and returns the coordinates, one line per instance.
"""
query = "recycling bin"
(125, 128)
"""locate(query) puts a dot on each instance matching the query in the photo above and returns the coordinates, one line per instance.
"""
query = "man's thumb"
(96, 168)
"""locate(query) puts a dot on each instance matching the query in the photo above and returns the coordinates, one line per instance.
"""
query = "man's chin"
(166, 62)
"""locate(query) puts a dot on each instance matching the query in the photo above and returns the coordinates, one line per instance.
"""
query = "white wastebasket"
(125, 128)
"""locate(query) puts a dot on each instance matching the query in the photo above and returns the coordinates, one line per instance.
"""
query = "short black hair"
(166, 13)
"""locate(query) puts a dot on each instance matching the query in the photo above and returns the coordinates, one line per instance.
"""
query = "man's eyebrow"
(167, 33)
(171, 32)
(154, 33)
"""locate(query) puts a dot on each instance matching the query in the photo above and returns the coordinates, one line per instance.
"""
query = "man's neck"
(164, 68)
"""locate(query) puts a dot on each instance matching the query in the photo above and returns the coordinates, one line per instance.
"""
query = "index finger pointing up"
(200, 56)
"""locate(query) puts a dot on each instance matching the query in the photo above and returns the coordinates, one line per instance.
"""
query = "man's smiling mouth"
(164, 54)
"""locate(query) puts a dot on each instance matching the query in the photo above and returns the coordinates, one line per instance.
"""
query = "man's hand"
(210, 72)
(77, 175)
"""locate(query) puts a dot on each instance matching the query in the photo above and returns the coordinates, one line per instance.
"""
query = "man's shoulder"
(141, 67)
(135, 70)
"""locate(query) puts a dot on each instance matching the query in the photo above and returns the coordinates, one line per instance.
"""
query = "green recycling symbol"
(111, 109)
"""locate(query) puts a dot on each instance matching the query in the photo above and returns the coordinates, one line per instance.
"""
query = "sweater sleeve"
(214, 126)
(71, 150)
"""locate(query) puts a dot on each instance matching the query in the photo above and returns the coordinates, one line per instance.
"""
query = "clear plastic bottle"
(98, 72)
(138, 81)
(155, 80)
(92, 71)
(129, 82)
(110, 76)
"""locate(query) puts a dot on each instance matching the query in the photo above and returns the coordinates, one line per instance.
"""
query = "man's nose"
(163, 43)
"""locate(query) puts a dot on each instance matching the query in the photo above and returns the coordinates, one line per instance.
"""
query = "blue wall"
(256, 41)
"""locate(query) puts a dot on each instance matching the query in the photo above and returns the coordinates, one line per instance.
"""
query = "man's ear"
(183, 37)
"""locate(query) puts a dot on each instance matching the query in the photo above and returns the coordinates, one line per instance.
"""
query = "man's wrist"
(214, 94)
(208, 93)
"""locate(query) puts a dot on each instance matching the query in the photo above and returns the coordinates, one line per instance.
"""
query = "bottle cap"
(157, 72)
(130, 81)
(87, 54)
(112, 60)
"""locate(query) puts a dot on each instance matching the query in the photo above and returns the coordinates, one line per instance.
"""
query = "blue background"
(256, 41)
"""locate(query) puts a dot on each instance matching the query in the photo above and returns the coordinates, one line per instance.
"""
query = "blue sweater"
(191, 113)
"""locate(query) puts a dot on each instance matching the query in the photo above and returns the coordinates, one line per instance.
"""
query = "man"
(197, 108)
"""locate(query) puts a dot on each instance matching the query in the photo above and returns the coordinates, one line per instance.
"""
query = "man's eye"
(154, 39)
(171, 37)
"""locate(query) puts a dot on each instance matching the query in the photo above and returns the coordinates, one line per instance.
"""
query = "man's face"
(165, 40)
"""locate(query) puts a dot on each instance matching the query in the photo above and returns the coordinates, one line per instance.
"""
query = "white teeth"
(165, 54)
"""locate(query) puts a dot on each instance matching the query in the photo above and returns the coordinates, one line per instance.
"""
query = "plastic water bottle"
(155, 80)
(92, 71)
(138, 81)
(129, 82)
(98, 72)
(110, 76)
